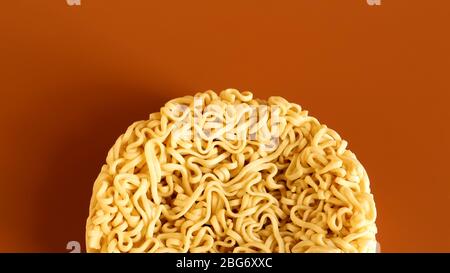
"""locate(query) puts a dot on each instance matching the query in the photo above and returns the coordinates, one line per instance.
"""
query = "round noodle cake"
(300, 190)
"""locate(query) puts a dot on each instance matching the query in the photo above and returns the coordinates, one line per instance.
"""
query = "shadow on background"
(99, 115)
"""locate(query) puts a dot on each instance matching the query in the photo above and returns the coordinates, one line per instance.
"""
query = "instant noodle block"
(230, 173)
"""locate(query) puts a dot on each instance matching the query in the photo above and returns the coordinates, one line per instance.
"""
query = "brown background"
(73, 78)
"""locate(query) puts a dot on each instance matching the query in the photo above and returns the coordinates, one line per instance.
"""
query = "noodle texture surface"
(230, 173)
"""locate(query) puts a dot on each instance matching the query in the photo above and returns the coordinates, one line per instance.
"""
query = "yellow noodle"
(230, 173)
